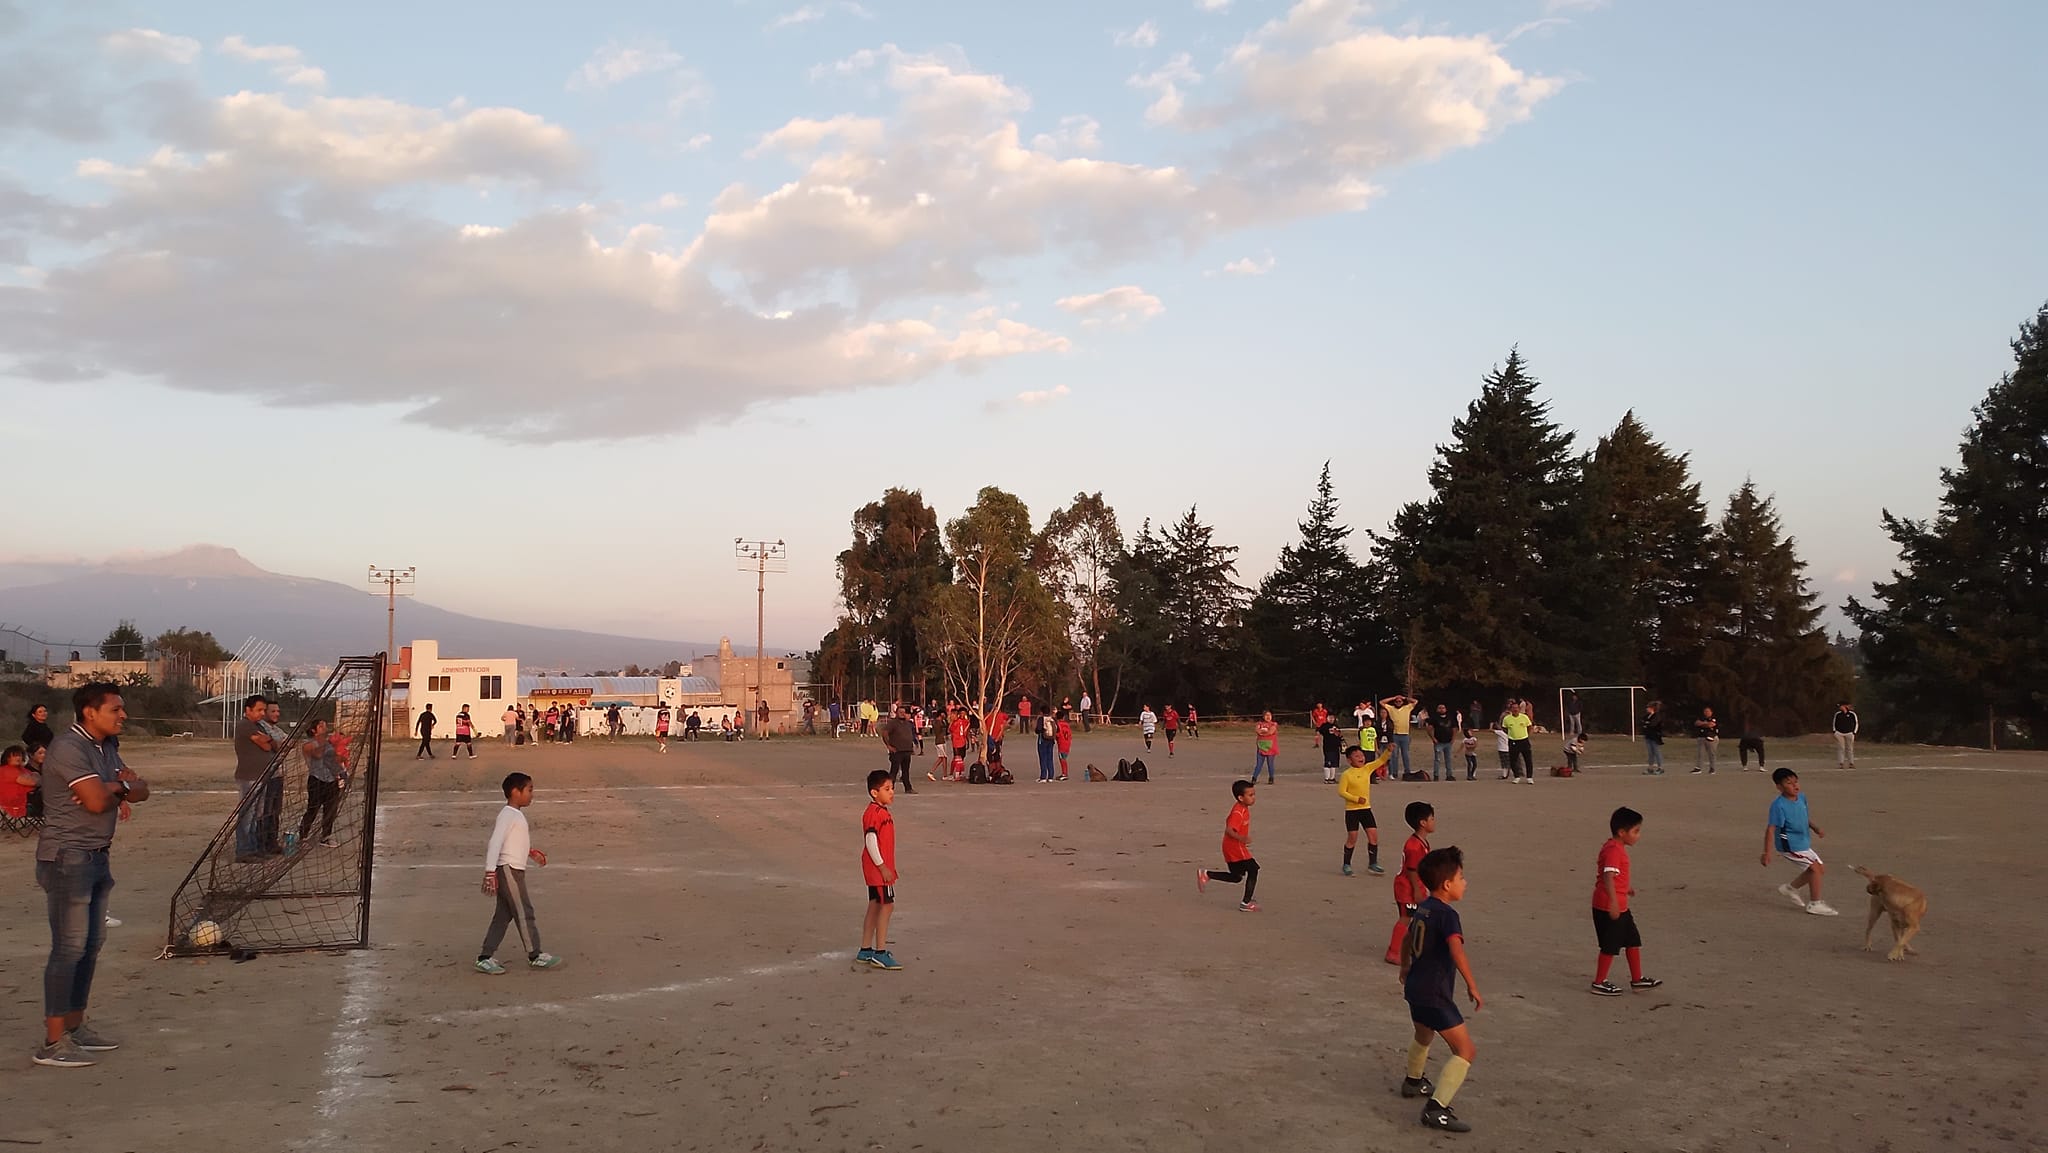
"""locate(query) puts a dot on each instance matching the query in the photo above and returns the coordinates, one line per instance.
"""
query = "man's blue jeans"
(76, 886)
(256, 829)
(1264, 761)
(1401, 755)
(1656, 751)
(1440, 762)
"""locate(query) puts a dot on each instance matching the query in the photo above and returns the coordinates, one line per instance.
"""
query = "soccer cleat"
(1644, 983)
(1793, 895)
(885, 960)
(1823, 909)
(1373, 867)
(543, 961)
(1247, 906)
(1201, 880)
(1347, 868)
(1440, 1117)
(861, 959)
(1604, 989)
(63, 1054)
(91, 1041)
(489, 965)
(1416, 1087)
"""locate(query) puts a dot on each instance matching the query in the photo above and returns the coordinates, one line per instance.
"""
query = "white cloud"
(1212, 5)
(1145, 35)
(696, 143)
(1845, 576)
(1126, 304)
(1247, 266)
(1166, 81)
(1574, 5)
(811, 13)
(616, 63)
(1076, 136)
(148, 42)
(1043, 395)
(667, 202)
(286, 62)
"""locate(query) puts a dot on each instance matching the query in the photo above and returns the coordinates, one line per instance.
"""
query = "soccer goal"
(1595, 716)
(290, 869)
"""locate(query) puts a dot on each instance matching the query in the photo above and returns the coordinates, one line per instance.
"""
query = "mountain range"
(217, 590)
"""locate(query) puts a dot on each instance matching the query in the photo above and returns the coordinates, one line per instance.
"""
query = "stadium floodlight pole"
(392, 579)
(763, 557)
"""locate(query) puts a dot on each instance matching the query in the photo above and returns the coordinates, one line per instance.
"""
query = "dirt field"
(1065, 986)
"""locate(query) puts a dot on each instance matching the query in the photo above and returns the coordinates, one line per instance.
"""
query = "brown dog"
(1903, 903)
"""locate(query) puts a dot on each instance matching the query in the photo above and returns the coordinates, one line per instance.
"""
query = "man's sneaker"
(1793, 895)
(1823, 909)
(543, 961)
(329, 843)
(1373, 867)
(884, 959)
(1347, 868)
(1604, 989)
(1644, 983)
(1696, 772)
(63, 1054)
(1247, 906)
(1201, 880)
(863, 957)
(1435, 1116)
(113, 922)
(1416, 1087)
(489, 965)
(92, 1041)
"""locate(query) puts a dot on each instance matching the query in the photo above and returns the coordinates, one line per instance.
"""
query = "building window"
(778, 664)
(437, 684)
(490, 688)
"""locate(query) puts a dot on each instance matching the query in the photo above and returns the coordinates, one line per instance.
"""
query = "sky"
(556, 301)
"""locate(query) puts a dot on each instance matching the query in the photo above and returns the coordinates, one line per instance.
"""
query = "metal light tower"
(393, 579)
(763, 557)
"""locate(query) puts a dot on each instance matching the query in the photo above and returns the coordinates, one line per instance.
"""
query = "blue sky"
(553, 302)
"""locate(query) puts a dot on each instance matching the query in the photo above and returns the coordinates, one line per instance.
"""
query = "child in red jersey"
(1614, 923)
(957, 730)
(1408, 887)
(1063, 738)
(1238, 862)
(878, 869)
(1171, 722)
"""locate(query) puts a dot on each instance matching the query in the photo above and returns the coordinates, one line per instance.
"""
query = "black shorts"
(1616, 933)
(883, 893)
(1437, 1015)
(1356, 819)
(462, 738)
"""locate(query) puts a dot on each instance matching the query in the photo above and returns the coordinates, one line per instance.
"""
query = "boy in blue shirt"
(1788, 833)
(1431, 956)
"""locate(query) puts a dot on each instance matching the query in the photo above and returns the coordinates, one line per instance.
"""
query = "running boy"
(878, 869)
(1614, 923)
(1238, 862)
(1355, 786)
(1408, 887)
(1432, 953)
(1787, 831)
(505, 878)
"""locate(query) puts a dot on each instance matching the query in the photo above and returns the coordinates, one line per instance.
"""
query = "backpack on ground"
(1095, 774)
(998, 775)
(1138, 772)
(1123, 770)
(977, 774)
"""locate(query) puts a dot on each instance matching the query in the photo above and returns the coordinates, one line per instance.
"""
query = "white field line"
(694, 985)
(341, 1088)
(757, 878)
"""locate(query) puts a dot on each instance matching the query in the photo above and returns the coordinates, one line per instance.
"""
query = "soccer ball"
(205, 934)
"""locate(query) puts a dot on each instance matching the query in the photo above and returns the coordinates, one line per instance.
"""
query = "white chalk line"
(693, 985)
(685, 870)
(341, 1088)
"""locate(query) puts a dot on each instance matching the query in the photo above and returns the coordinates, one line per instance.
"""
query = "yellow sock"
(1418, 1058)
(1447, 1082)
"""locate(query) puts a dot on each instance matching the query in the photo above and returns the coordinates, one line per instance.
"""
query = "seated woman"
(725, 730)
(17, 781)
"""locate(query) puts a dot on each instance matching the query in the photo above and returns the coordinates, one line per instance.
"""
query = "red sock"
(1635, 964)
(1600, 971)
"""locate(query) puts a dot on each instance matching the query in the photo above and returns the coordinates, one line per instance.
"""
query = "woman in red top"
(14, 782)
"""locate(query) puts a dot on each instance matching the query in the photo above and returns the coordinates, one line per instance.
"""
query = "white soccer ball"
(205, 934)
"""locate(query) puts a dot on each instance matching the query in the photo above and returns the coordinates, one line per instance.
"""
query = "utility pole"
(392, 579)
(763, 557)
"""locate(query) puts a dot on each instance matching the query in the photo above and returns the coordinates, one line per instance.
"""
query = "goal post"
(1564, 719)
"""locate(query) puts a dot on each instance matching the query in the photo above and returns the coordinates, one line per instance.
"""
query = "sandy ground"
(1065, 986)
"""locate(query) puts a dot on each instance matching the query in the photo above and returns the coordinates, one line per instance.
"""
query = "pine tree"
(1307, 626)
(1954, 642)
(1490, 574)
(1202, 604)
(1646, 521)
(1766, 659)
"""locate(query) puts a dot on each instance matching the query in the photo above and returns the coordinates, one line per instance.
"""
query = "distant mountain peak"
(199, 560)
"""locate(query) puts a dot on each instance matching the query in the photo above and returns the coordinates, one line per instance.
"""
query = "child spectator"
(1471, 753)
(1408, 888)
(1614, 922)
(1790, 830)
(1574, 744)
(505, 861)
(1431, 955)
(15, 780)
(1500, 743)
(1266, 736)
(1063, 738)
(1148, 723)
(878, 869)
(1333, 747)
(1355, 787)
(1171, 723)
(1238, 862)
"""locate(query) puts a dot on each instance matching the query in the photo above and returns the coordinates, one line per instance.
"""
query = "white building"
(488, 685)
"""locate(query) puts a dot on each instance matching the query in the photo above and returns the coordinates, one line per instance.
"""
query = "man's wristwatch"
(125, 790)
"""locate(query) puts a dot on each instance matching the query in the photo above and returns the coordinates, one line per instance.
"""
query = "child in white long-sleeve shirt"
(505, 878)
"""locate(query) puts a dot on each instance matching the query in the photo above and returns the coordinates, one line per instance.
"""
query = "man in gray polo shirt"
(83, 786)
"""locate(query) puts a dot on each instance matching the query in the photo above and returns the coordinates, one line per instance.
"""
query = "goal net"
(290, 869)
(1601, 710)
